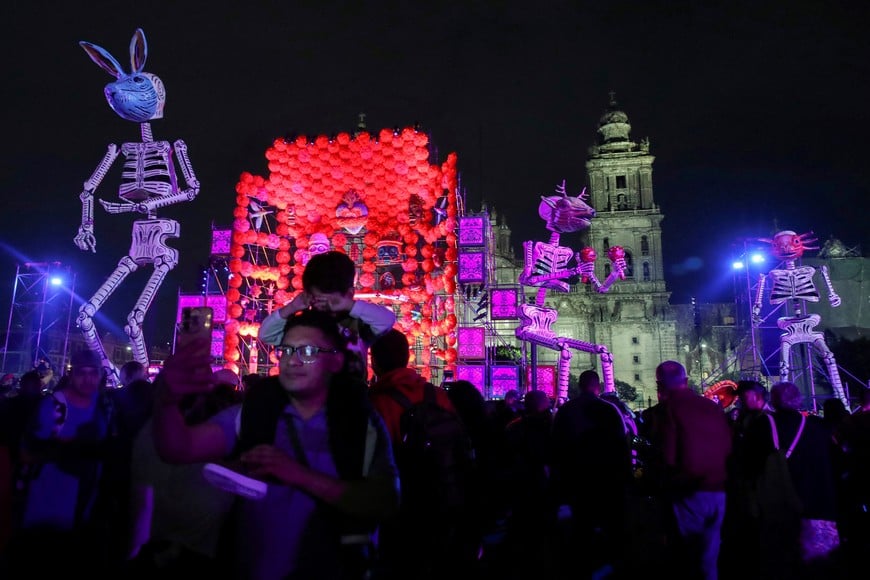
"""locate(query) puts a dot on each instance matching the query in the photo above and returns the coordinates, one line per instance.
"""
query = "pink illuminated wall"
(503, 304)
(546, 376)
(474, 374)
(503, 379)
(472, 342)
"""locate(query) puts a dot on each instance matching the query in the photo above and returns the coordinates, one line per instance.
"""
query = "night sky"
(756, 113)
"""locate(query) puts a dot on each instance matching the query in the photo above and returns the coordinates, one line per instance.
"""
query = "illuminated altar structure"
(379, 199)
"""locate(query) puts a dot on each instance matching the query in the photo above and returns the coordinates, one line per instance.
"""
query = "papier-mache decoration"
(375, 197)
(793, 285)
(546, 266)
(149, 182)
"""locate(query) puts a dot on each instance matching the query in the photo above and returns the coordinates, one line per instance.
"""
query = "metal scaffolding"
(39, 317)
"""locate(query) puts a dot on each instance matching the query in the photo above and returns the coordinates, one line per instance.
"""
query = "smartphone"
(196, 323)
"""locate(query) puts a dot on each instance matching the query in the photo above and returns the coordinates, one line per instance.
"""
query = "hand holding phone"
(189, 370)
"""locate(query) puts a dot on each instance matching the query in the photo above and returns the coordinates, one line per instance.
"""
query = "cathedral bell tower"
(619, 174)
(635, 317)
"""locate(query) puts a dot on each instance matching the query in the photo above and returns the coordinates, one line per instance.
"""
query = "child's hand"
(334, 301)
(299, 303)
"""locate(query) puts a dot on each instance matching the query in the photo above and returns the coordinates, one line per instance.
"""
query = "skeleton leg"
(162, 266)
(607, 369)
(564, 373)
(85, 320)
(831, 364)
(784, 356)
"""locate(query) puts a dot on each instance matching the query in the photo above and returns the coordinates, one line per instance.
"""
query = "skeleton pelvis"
(149, 240)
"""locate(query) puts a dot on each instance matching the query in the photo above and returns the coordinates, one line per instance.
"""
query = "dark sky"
(756, 113)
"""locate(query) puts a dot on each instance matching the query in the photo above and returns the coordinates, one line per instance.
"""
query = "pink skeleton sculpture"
(793, 284)
(546, 266)
(149, 182)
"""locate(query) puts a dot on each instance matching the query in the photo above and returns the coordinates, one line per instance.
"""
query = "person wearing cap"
(64, 446)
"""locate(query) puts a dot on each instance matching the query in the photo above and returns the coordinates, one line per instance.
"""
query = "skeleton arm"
(833, 297)
(756, 306)
(617, 272)
(85, 239)
(148, 207)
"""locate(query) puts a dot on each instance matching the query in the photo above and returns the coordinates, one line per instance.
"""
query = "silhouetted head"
(785, 396)
(390, 351)
(589, 382)
(670, 376)
(329, 272)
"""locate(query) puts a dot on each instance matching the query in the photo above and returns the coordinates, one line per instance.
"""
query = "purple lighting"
(471, 268)
(474, 374)
(503, 379)
(471, 341)
(504, 304)
(471, 231)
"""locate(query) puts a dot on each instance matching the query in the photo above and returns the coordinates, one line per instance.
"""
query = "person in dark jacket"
(591, 472)
(693, 443)
(788, 551)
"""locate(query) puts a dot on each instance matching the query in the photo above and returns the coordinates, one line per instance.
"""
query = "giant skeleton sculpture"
(793, 285)
(149, 182)
(546, 267)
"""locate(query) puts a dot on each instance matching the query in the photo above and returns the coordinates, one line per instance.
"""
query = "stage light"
(757, 258)
(737, 265)
(56, 281)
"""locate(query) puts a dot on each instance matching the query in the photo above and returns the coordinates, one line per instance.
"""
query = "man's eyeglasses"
(307, 352)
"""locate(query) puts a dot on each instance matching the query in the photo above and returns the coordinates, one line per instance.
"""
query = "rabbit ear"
(138, 51)
(103, 59)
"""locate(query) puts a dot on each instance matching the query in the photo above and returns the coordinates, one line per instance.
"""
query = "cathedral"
(635, 319)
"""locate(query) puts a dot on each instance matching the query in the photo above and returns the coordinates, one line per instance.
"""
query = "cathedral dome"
(613, 128)
(612, 116)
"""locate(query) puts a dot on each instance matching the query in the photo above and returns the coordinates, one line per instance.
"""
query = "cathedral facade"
(634, 319)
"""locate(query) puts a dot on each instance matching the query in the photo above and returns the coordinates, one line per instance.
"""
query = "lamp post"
(746, 269)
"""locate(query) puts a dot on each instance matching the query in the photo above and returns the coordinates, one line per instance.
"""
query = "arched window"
(629, 265)
(606, 244)
(621, 201)
(644, 246)
(646, 274)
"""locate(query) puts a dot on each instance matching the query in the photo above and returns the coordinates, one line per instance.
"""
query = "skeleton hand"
(617, 261)
(85, 239)
(619, 266)
(756, 316)
(834, 299)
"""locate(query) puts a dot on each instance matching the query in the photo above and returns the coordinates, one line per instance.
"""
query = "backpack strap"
(796, 437)
(371, 442)
(429, 393)
(61, 411)
(399, 397)
(773, 432)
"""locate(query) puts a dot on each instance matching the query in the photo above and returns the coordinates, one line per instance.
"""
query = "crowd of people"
(324, 473)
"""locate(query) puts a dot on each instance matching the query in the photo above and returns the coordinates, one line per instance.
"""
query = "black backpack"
(435, 456)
